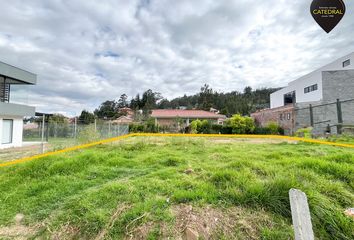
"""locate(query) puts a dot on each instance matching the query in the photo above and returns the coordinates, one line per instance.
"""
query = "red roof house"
(172, 117)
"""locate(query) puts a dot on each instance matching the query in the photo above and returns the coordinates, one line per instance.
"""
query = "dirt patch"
(118, 211)
(251, 140)
(206, 223)
(18, 231)
(66, 231)
(210, 223)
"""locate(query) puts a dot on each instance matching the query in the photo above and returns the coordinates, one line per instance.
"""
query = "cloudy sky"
(86, 51)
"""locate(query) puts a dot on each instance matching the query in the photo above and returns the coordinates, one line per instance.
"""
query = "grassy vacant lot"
(155, 188)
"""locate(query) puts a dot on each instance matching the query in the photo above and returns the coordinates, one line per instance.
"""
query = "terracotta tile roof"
(173, 113)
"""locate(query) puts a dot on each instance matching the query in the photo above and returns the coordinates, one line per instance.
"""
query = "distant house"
(123, 120)
(11, 114)
(126, 111)
(173, 117)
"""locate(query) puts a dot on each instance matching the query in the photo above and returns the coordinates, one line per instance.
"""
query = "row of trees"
(236, 124)
(228, 103)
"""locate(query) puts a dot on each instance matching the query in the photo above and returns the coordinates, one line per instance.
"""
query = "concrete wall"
(338, 85)
(315, 77)
(324, 114)
(17, 73)
(16, 134)
(12, 109)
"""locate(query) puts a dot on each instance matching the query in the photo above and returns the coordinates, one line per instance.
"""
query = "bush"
(198, 126)
(88, 134)
(304, 132)
(240, 124)
(146, 127)
(136, 127)
(272, 128)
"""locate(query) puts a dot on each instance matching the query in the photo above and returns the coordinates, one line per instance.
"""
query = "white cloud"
(85, 52)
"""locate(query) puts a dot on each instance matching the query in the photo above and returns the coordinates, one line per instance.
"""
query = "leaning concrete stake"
(300, 214)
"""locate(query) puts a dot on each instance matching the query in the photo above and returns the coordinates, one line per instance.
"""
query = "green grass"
(144, 179)
(345, 138)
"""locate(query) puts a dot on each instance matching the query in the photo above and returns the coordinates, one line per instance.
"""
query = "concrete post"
(311, 116)
(339, 116)
(300, 214)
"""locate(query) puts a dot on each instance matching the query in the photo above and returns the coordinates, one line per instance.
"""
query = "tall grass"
(85, 187)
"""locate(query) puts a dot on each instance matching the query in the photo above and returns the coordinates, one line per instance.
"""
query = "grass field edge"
(69, 149)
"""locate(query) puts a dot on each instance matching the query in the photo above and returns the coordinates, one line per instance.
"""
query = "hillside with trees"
(229, 103)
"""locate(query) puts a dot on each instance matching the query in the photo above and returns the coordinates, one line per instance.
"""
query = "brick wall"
(284, 116)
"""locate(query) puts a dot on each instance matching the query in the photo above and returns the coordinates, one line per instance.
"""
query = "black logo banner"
(327, 13)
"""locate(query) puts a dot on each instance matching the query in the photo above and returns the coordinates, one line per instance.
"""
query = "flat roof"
(16, 75)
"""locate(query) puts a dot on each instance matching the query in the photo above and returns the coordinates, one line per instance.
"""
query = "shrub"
(198, 126)
(88, 134)
(195, 125)
(274, 128)
(240, 124)
(216, 128)
(304, 132)
(136, 127)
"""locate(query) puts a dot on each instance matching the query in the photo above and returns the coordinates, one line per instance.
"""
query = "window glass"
(346, 63)
(7, 129)
(311, 88)
(290, 98)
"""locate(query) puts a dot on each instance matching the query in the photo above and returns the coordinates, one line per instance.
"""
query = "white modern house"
(322, 99)
(11, 114)
(309, 88)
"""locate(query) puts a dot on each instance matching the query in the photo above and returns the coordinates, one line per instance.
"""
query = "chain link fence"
(39, 137)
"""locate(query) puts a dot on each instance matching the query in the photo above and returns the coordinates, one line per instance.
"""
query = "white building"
(11, 115)
(309, 88)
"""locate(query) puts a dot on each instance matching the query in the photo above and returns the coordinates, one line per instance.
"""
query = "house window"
(311, 88)
(289, 98)
(7, 131)
(281, 117)
(288, 116)
(346, 63)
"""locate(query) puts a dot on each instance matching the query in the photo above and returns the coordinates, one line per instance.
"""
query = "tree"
(86, 117)
(241, 125)
(107, 110)
(149, 100)
(205, 98)
(247, 91)
(122, 101)
(135, 103)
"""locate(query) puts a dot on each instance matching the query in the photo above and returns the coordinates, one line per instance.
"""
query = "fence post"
(311, 115)
(340, 117)
(109, 128)
(43, 122)
(75, 127)
(300, 214)
(95, 125)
